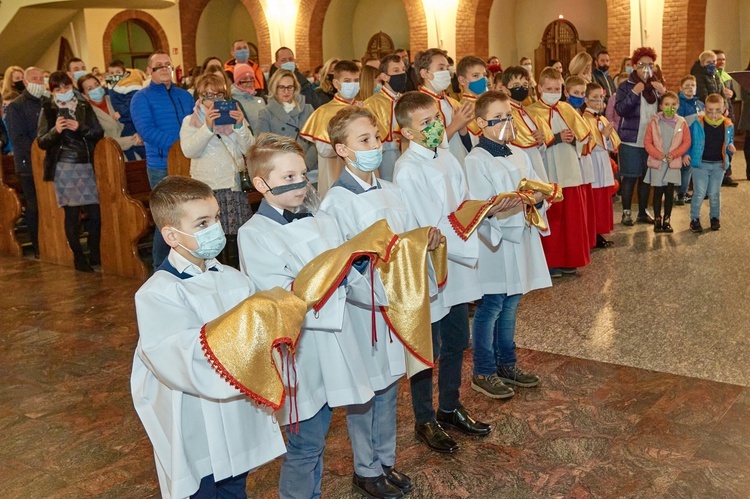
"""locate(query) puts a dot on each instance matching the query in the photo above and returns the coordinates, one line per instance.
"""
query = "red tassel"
(372, 296)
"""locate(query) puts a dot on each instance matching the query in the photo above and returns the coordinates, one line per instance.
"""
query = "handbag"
(244, 177)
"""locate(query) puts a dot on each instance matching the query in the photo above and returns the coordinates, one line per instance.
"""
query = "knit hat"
(241, 70)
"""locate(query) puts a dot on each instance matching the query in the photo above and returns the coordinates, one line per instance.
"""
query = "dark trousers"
(73, 231)
(160, 248)
(667, 193)
(230, 488)
(32, 211)
(450, 337)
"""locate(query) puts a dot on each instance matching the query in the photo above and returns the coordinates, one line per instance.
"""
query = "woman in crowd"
(744, 124)
(243, 91)
(626, 66)
(12, 84)
(325, 92)
(216, 155)
(90, 86)
(636, 102)
(68, 132)
(287, 112)
(580, 65)
(369, 82)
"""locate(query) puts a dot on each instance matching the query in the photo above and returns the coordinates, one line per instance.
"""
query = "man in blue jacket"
(157, 112)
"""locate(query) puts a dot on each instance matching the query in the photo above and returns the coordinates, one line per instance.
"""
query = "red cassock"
(603, 210)
(569, 243)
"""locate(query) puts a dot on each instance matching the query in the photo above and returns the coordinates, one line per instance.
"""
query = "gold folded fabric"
(470, 214)
(242, 344)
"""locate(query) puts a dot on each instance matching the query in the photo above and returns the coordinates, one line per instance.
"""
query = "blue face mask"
(78, 74)
(479, 86)
(711, 68)
(242, 55)
(349, 89)
(96, 94)
(289, 66)
(367, 161)
(378, 88)
(629, 69)
(576, 102)
(65, 96)
(211, 241)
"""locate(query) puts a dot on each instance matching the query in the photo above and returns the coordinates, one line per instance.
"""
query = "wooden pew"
(123, 195)
(10, 210)
(53, 246)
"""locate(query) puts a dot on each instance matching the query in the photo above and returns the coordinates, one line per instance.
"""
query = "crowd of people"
(395, 139)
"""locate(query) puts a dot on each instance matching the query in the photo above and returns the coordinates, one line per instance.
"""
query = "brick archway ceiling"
(309, 30)
(190, 14)
(147, 21)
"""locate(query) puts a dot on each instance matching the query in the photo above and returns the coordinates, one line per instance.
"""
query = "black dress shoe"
(376, 487)
(435, 437)
(460, 420)
(398, 479)
(645, 218)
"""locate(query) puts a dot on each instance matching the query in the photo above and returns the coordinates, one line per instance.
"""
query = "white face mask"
(551, 98)
(349, 90)
(36, 89)
(527, 67)
(441, 80)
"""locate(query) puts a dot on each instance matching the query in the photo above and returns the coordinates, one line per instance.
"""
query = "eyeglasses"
(211, 95)
(285, 88)
(714, 111)
(642, 65)
(242, 83)
(159, 68)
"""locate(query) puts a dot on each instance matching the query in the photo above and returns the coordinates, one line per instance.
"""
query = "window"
(132, 43)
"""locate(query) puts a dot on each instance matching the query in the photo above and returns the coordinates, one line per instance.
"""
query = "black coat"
(22, 120)
(705, 83)
(69, 146)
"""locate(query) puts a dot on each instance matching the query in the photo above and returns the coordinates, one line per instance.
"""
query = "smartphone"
(224, 106)
(65, 113)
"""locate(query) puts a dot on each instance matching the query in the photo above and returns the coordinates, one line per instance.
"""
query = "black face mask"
(19, 86)
(329, 77)
(604, 68)
(519, 94)
(398, 82)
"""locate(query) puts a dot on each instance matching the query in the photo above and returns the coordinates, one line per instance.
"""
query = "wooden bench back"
(10, 209)
(123, 195)
(177, 163)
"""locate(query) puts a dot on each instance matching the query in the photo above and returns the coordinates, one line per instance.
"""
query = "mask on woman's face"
(18, 86)
(64, 96)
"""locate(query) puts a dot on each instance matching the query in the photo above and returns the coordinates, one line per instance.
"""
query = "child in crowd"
(667, 139)
(690, 108)
(346, 82)
(382, 105)
(124, 86)
(434, 77)
(510, 269)
(575, 93)
(275, 244)
(604, 140)
(206, 434)
(472, 76)
(434, 185)
(568, 246)
(531, 136)
(712, 138)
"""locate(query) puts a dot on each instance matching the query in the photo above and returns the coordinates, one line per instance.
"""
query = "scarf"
(72, 104)
(648, 92)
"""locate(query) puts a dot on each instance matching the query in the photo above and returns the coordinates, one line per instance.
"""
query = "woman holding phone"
(68, 132)
(216, 153)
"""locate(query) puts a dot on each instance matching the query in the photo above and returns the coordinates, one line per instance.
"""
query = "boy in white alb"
(332, 370)
(206, 434)
(514, 267)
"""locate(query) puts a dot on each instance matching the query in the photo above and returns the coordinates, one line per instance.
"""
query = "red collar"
(427, 91)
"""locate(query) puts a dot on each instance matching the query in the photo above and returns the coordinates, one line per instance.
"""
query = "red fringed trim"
(384, 311)
(459, 229)
(222, 371)
(373, 258)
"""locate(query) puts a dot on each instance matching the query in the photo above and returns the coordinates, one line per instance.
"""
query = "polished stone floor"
(643, 359)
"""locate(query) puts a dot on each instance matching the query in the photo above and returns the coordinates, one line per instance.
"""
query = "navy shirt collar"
(347, 181)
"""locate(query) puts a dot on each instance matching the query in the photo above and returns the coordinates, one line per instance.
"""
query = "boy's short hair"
(574, 81)
(549, 73)
(410, 102)
(514, 72)
(266, 147)
(71, 61)
(687, 78)
(345, 66)
(385, 61)
(705, 55)
(424, 59)
(484, 101)
(669, 94)
(170, 194)
(592, 87)
(715, 99)
(339, 124)
(468, 62)
(116, 63)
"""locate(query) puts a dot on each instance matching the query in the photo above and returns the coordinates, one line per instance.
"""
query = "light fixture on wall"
(560, 16)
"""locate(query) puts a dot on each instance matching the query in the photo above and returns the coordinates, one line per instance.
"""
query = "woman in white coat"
(217, 156)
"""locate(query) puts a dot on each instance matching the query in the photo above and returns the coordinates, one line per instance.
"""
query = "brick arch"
(683, 38)
(190, 14)
(144, 20)
(308, 37)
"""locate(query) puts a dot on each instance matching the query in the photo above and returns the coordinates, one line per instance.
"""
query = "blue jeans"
(372, 432)
(684, 180)
(494, 332)
(302, 468)
(450, 337)
(230, 488)
(160, 249)
(707, 180)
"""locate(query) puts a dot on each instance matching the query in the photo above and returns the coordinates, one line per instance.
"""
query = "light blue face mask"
(242, 55)
(78, 74)
(289, 66)
(65, 96)
(211, 241)
(349, 90)
(367, 161)
(96, 94)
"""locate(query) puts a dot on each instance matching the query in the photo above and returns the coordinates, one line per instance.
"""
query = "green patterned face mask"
(432, 136)
(669, 112)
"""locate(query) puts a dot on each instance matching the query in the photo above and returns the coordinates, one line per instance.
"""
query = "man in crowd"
(285, 60)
